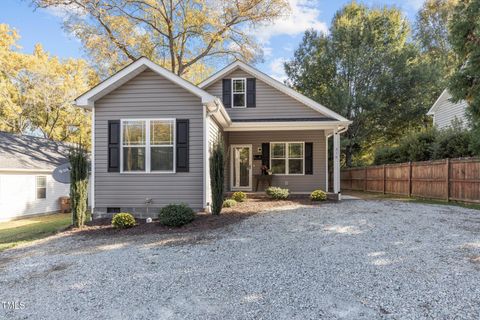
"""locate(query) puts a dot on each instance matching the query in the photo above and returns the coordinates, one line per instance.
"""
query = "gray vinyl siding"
(148, 95)
(447, 111)
(215, 132)
(270, 102)
(296, 183)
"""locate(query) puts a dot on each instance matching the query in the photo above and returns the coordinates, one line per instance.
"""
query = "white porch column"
(336, 162)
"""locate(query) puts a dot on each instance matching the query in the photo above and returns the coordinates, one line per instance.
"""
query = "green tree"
(217, 172)
(431, 34)
(366, 70)
(78, 185)
(464, 84)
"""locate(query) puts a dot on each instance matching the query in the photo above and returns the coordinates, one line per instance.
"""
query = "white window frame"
(287, 158)
(148, 146)
(244, 92)
(37, 187)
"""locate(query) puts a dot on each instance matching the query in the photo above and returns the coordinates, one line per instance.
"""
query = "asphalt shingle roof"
(29, 152)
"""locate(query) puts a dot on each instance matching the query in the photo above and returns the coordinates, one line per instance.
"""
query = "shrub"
(176, 215)
(452, 143)
(217, 171)
(318, 195)
(417, 146)
(385, 155)
(239, 196)
(277, 193)
(228, 203)
(123, 221)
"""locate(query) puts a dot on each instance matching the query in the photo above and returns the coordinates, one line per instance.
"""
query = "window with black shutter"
(183, 132)
(266, 154)
(113, 145)
(227, 93)
(251, 93)
(308, 158)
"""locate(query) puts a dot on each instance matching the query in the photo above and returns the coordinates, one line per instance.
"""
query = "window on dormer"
(239, 93)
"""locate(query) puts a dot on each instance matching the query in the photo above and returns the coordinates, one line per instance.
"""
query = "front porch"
(296, 159)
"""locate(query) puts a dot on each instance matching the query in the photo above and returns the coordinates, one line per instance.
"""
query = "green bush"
(239, 196)
(430, 144)
(385, 155)
(277, 193)
(176, 215)
(452, 143)
(123, 220)
(417, 146)
(318, 195)
(228, 203)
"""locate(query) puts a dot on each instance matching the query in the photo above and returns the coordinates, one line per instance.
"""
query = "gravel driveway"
(353, 260)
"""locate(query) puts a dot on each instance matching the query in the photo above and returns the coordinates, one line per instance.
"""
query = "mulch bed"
(202, 222)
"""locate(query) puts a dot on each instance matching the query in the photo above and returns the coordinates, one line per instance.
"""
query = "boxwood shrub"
(239, 196)
(123, 220)
(228, 203)
(277, 193)
(176, 215)
(318, 195)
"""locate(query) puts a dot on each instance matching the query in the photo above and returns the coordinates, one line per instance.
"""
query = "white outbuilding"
(26, 183)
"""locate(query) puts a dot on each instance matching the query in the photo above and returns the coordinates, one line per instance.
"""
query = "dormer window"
(239, 93)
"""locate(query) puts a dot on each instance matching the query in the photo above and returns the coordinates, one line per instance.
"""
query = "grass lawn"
(13, 233)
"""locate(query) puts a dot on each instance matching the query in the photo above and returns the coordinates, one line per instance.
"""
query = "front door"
(241, 167)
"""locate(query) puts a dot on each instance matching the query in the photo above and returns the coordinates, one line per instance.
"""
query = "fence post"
(448, 178)
(409, 178)
(365, 180)
(384, 179)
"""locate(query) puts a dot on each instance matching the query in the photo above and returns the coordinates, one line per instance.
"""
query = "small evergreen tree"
(217, 173)
(78, 185)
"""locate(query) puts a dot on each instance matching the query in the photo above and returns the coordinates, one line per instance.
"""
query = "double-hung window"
(239, 93)
(148, 145)
(287, 158)
(41, 187)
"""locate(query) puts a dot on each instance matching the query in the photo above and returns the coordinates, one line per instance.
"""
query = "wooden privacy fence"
(448, 179)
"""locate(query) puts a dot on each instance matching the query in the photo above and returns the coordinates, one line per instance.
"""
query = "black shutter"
(183, 133)
(266, 154)
(308, 158)
(113, 145)
(251, 93)
(227, 93)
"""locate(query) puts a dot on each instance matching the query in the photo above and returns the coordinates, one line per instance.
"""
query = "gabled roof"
(87, 99)
(21, 152)
(274, 83)
(445, 95)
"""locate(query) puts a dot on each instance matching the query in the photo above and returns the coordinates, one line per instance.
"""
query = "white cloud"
(63, 12)
(415, 4)
(276, 69)
(304, 14)
(267, 51)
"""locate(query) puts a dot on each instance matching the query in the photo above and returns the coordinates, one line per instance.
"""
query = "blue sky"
(278, 40)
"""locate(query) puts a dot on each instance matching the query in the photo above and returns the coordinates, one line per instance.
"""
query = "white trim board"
(274, 83)
(297, 125)
(88, 99)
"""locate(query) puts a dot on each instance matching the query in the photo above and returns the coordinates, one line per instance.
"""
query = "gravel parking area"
(357, 259)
